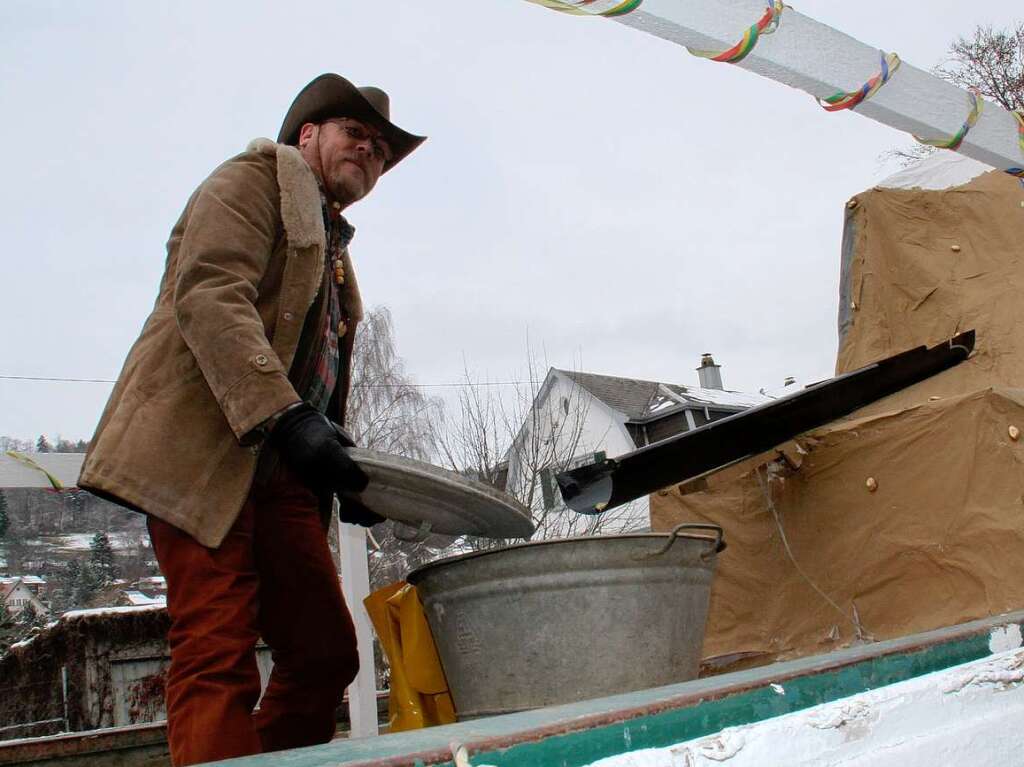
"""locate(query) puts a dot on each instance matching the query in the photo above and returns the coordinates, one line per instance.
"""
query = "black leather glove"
(310, 445)
(351, 509)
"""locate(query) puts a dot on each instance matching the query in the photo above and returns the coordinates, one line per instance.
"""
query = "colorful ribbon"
(591, 7)
(954, 141)
(767, 24)
(848, 100)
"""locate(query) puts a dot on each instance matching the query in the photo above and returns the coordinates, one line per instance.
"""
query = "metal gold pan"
(434, 500)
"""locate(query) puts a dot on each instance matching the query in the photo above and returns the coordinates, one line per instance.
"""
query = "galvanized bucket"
(549, 622)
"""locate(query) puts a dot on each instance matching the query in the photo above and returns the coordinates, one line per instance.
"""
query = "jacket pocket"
(167, 376)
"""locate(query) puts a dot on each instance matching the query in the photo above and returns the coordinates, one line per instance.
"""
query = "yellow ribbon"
(57, 485)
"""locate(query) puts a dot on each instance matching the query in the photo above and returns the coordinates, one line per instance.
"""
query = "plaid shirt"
(315, 376)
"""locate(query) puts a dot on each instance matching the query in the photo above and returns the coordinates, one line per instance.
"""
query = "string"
(854, 619)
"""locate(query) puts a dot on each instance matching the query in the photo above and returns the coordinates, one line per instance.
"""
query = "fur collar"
(300, 195)
(301, 214)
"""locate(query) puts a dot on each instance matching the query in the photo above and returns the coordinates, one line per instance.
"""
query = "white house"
(579, 418)
(17, 594)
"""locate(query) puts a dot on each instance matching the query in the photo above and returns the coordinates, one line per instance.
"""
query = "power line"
(454, 384)
(62, 380)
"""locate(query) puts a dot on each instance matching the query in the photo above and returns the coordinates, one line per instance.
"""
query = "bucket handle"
(677, 532)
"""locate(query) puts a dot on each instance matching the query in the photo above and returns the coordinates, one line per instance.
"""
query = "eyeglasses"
(380, 148)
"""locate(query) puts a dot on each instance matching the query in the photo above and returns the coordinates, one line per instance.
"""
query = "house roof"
(28, 580)
(640, 400)
(138, 598)
(65, 467)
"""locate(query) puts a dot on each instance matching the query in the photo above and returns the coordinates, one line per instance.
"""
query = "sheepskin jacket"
(245, 263)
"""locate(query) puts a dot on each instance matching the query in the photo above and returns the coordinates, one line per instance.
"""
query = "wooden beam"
(592, 730)
(806, 54)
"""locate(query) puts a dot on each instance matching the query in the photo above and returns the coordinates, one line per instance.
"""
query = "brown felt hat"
(331, 95)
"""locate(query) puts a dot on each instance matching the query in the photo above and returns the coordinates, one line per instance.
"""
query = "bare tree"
(514, 438)
(519, 439)
(991, 62)
(386, 410)
(388, 413)
(18, 445)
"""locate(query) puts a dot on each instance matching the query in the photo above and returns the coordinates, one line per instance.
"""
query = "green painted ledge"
(580, 733)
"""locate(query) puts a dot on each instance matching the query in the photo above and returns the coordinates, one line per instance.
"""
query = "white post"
(806, 54)
(355, 585)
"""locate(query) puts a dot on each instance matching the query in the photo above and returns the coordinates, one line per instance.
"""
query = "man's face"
(350, 153)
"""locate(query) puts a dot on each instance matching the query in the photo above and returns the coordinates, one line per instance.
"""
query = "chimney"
(709, 374)
(790, 380)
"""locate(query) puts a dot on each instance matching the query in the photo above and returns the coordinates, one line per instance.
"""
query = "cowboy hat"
(331, 95)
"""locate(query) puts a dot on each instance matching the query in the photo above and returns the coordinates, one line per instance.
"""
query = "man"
(220, 427)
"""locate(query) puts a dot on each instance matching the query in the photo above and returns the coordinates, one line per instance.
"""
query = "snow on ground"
(81, 541)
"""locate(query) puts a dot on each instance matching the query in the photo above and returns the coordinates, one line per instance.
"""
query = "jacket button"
(261, 359)
(288, 315)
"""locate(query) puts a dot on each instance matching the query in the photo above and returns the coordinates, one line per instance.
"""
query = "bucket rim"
(418, 573)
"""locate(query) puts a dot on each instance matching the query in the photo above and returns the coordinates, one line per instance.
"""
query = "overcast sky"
(598, 191)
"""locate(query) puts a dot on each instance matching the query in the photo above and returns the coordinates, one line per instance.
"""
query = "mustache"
(358, 160)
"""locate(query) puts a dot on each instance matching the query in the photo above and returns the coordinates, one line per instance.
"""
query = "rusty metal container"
(550, 622)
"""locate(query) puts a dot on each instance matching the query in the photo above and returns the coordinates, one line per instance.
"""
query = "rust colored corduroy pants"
(272, 577)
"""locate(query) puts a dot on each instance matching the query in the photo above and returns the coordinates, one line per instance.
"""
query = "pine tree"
(102, 561)
(29, 619)
(43, 445)
(84, 584)
(70, 584)
(4, 522)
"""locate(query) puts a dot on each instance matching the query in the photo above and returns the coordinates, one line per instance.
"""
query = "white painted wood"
(820, 60)
(355, 585)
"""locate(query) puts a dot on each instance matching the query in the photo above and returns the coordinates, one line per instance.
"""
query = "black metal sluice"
(597, 487)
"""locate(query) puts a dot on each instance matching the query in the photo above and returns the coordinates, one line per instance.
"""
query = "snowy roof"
(64, 466)
(640, 400)
(30, 580)
(136, 598)
(939, 170)
(783, 391)
(94, 611)
(54, 626)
